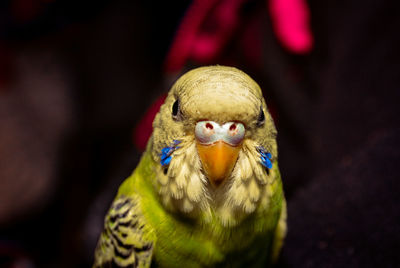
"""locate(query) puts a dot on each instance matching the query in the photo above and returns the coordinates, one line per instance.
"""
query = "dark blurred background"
(80, 82)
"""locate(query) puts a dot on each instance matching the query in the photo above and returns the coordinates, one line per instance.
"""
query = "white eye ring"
(208, 132)
(234, 132)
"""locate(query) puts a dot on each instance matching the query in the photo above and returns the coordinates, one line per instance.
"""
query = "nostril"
(207, 131)
(233, 132)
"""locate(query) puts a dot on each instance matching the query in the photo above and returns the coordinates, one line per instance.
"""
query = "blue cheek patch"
(166, 160)
(166, 153)
(265, 157)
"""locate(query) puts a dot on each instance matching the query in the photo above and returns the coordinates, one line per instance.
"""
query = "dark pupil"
(175, 108)
(261, 117)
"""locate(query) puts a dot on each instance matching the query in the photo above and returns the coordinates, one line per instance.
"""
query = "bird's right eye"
(175, 109)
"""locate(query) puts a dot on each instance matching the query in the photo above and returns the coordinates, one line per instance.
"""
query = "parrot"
(207, 191)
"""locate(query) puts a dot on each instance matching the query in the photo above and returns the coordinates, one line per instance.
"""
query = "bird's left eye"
(261, 117)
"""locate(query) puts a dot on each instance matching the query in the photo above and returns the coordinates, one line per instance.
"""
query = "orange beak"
(218, 160)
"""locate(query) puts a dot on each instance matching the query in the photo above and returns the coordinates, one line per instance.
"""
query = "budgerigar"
(207, 191)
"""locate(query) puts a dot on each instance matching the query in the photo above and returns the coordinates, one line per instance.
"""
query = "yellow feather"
(194, 189)
(176, 192)
(182, 175)
(249, 206)
(254, 191)
(187, 206)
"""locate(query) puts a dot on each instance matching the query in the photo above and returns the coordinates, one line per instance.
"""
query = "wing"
(124, 242)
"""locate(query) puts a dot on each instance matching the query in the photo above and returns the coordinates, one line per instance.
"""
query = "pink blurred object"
(207, 28)
(204, 31)
(216, 31)
(186, 35)
(291, 23)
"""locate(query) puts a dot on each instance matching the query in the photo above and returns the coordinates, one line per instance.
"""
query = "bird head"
(215, 145)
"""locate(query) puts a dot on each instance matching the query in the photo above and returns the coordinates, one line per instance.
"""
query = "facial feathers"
(219, 94)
